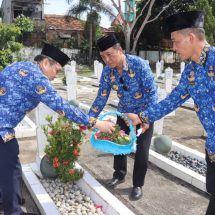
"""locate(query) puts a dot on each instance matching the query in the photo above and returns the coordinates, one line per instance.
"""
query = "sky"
(60, 7)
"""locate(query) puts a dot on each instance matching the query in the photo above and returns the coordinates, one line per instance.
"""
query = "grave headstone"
(158, 69)
(162, 65)
(168, 79)
(96, 68)
(42, 111)
(71, 80)
(99, 70)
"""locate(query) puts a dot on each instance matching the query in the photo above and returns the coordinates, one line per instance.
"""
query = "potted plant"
(64, 138)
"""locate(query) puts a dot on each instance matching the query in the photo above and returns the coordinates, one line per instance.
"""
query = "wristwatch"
(143, 118)
(92, 122)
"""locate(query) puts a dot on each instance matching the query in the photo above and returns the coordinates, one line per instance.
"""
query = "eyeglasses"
(123, 82)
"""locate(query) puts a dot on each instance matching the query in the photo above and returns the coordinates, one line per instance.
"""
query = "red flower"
(76, 152)
(82, 127)
(71, 171)
(66, 162)
(56, 163)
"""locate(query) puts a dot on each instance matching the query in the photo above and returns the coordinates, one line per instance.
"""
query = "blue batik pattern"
(22, 87)
(135, 88)
(198, 82)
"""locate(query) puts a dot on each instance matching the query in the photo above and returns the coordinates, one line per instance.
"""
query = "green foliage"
(8, 45)
(64, 139)
(24, 23)
(99, 32)
(209, 19)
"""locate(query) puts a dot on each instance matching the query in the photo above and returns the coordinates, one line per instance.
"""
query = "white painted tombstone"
(96, 68)
(162, 65)
(71, 80)
(168, 79)
(168, 84)
(182, 66)
(42, 111)
(99, 70)
(158, 125)
(26, 128)
(158, 69)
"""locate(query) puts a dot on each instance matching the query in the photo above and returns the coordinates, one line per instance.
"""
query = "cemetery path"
(163, 193)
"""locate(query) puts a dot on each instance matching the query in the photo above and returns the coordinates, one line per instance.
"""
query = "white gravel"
(69, 199)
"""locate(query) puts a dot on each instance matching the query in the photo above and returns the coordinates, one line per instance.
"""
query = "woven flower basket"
(111, 147)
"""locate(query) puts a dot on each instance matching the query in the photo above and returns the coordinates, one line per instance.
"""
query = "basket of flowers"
(118, 142)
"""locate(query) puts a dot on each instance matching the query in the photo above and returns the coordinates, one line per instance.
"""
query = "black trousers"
(210, 185)
(141, 156)
(10, 177)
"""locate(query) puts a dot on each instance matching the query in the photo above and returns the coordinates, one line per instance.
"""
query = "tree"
(154, 32)
(209, 25)
(134, 12)
(92, 8)
(8, 45)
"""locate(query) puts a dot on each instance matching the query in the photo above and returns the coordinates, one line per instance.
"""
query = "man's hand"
(136, 121)
(104, 126)
(134, 118)
(144, 127)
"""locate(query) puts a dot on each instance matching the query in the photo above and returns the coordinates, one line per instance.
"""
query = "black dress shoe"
(114, 182)
(136, 193)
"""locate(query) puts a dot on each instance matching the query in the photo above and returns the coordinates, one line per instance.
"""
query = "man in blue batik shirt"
(22, 86)
(132, 79)
(197, 82)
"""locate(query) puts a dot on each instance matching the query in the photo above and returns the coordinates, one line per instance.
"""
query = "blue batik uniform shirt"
(135, 88)
(197, 82)
(22, 87)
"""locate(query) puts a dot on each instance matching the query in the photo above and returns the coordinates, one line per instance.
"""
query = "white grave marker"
(168, 79)
(99, 69)
(158, 69)
(96, 68)
(71, 80)
(42, 111)
(162, 65)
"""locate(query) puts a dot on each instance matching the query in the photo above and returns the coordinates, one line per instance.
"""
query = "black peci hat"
(190, 19)
(106, 42)
(55, 53)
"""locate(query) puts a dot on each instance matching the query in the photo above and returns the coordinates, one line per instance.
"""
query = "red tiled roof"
(59, 22)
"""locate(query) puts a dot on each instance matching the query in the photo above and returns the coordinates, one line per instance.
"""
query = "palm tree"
(93, 9)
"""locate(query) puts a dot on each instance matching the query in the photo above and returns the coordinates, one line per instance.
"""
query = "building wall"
(6, 11)
(31, 8)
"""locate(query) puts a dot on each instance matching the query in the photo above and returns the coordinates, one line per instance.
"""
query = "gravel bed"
(69, 199)
(191, 163)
